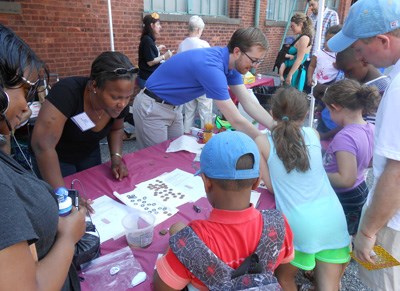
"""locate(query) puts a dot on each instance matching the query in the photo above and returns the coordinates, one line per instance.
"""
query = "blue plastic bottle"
(64, 201)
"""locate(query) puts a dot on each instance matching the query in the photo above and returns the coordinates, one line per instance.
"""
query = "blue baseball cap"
(367, 18)
(221, 153)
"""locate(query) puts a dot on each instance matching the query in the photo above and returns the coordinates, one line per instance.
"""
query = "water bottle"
(64, 201)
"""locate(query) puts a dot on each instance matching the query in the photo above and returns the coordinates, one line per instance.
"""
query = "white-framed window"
(199, 7)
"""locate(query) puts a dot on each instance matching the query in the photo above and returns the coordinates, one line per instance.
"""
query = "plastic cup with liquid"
(139, 228)
(208, 127)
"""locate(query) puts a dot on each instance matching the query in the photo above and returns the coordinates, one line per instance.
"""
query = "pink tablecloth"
(144, 165)
(263, 81)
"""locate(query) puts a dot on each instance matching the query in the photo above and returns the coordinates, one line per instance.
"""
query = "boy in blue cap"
(372, 28)
(229, 167)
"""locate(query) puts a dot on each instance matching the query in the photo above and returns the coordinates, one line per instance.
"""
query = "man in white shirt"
(204, 104)
(372, 28)
(329, 19)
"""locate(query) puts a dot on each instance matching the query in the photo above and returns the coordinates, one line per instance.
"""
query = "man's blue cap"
(221, 153)
(366, 18)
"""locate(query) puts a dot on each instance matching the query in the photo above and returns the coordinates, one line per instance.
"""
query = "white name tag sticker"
(83, 121)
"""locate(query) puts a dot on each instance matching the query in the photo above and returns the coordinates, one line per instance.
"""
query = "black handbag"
(87, 248)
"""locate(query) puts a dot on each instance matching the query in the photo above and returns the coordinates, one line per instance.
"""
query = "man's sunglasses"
(124, 71)
(31, 88)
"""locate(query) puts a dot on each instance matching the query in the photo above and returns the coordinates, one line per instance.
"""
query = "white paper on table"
(144, 184)
(108, 217)
(179, 199)
(197, 158)
(181, 187)
(187, 183)
(254, 197)
(185, 143)
(134, 199)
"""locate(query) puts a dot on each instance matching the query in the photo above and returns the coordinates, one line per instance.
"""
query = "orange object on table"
(207, 135)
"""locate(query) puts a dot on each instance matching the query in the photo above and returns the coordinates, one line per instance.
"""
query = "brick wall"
(68, 35)
(343, 10)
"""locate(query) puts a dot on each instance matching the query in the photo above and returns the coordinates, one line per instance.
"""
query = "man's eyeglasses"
(124, 71)
(254, 62)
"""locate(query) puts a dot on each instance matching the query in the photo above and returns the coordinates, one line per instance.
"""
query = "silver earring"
(94, 91)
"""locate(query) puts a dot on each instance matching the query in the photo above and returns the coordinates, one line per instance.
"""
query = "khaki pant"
(155, 122)
(204, 106)
(387, 279)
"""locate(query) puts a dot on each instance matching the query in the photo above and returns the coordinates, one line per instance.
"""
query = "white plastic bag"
(113, 271)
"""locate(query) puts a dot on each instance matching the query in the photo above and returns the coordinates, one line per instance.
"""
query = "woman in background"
(149, 53)
(202, 103)
(301, 25)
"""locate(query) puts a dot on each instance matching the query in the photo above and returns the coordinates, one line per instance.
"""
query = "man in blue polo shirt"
(196, 72)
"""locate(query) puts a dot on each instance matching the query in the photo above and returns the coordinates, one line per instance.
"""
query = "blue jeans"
(93, 159)
(352, 202)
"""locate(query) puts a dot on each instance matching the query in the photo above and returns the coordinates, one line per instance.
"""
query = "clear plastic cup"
(139, 227)
(209, 120)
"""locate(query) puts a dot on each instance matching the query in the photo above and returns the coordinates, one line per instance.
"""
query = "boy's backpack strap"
(198, 258)
(267, 251)
(215, 274)
(272, 238)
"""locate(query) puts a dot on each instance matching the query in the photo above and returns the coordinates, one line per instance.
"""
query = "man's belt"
(155, 97)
